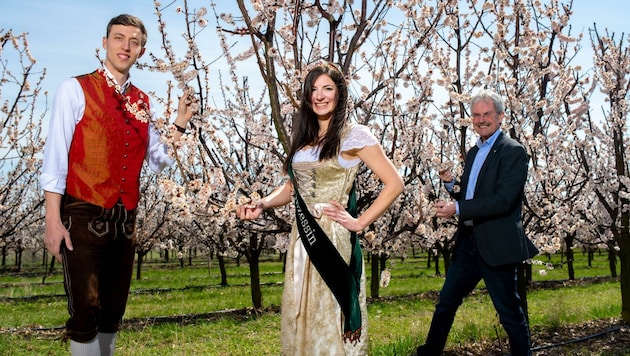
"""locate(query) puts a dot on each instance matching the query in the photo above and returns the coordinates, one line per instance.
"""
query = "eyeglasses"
(485, 115)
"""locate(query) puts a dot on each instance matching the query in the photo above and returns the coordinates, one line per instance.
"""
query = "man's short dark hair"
(128, 20)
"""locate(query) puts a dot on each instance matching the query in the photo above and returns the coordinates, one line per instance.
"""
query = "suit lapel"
(490, 158)
(470, 158)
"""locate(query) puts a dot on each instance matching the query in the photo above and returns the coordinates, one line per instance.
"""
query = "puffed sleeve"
(358, 137)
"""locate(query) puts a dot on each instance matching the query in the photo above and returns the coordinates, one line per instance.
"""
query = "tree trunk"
(568, 241)
(139, 264)
(446, 253)
(221, 259)
(18, 259)
(383, 262)
(284, 262)
(48, 270)
(254, 277)
(374, 279)
(447, 260)
(612, 260)
(209, 264)
(624, 261)
(528, 273)
(52, 264)
(436, 258)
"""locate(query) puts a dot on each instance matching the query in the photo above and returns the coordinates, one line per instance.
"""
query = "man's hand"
(444, 209)
(446, 176)
(187, 106)
(55, 234)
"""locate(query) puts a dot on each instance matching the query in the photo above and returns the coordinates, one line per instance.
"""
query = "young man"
(490, 240)
(100, 133)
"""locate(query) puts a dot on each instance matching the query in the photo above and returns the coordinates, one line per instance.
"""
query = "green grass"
(571, 305)
(397, 322)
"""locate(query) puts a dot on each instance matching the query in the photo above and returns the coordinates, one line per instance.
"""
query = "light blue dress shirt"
(480, 158)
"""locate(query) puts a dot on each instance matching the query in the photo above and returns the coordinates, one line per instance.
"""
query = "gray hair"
(489, 95)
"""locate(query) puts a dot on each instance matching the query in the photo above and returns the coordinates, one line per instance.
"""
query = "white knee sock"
(89, 348)
(107, 342)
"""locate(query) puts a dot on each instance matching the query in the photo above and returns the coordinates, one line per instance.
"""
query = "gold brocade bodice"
(321, 182)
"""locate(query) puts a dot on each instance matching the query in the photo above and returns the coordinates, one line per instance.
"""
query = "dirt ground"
(594, 338)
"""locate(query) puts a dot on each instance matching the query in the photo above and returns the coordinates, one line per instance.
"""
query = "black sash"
(342, 279)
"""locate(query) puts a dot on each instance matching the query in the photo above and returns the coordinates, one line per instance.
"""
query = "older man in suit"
(490, 241)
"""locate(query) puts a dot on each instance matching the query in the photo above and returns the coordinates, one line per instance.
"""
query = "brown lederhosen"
(97, 273)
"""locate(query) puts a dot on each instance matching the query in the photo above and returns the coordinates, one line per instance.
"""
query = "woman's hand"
(280, 196)
(250, 211)
(336, 212)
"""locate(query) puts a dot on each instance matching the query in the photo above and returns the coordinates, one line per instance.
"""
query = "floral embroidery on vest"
(138, 110)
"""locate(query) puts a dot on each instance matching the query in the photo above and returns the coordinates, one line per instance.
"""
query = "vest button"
(128, 132)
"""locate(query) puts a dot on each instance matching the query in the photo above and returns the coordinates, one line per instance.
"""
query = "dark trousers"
(464, 273)
(97, 273)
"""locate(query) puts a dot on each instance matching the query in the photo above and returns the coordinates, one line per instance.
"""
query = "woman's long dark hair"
(306, 125)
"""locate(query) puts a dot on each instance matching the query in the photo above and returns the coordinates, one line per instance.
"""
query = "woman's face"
(324, 96)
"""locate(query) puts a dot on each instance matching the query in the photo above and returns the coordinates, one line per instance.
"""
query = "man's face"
(123, 47)
(486, 120)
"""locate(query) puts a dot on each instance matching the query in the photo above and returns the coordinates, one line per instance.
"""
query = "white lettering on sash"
(308, 231)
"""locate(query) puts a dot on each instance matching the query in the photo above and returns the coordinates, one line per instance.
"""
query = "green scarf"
(342, 279)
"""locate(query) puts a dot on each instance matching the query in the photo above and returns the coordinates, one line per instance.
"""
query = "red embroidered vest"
(109, 144)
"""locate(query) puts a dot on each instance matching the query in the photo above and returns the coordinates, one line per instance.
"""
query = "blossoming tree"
(20, 145)
(411, 69)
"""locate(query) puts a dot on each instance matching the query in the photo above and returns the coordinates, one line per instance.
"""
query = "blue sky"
(63, 34)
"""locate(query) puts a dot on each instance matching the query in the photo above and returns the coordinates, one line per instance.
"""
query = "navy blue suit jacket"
(496, 208)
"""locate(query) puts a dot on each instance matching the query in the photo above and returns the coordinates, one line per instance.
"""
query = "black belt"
(116, 213)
